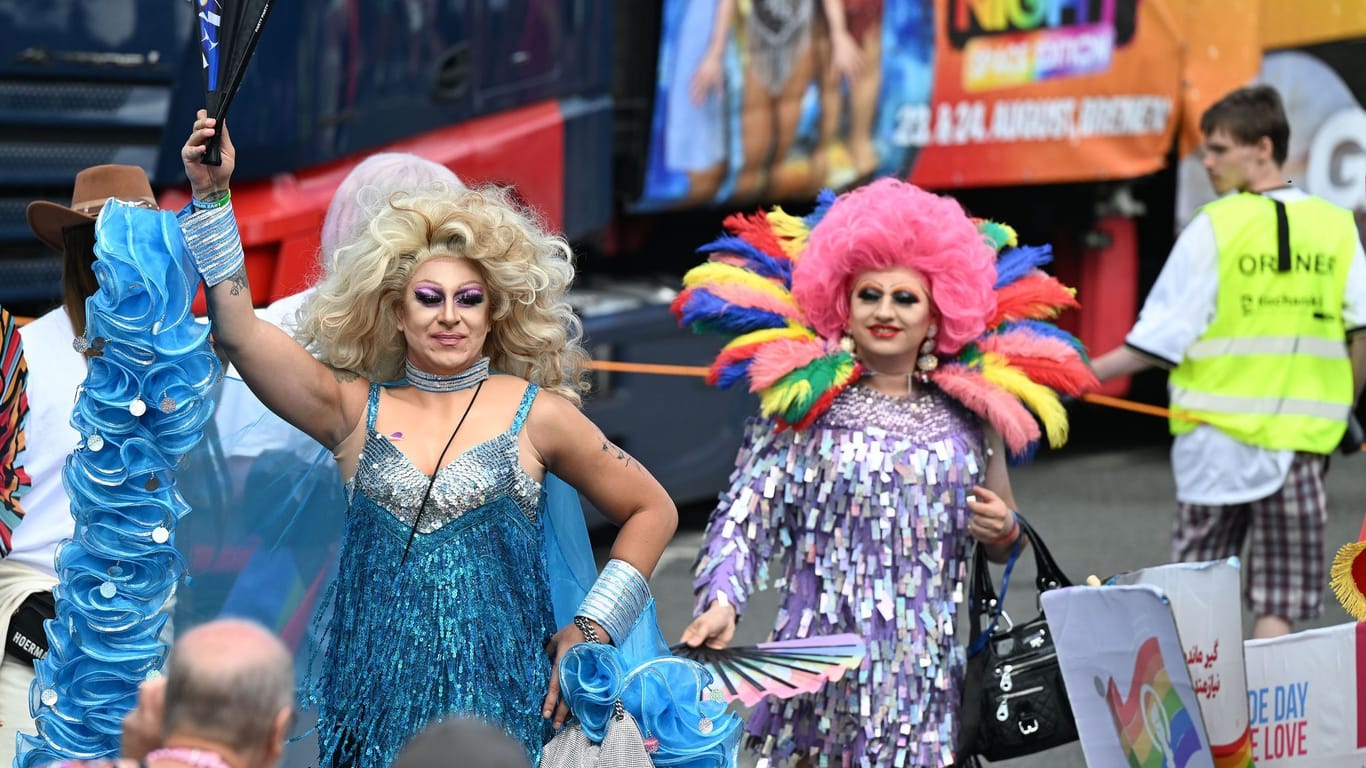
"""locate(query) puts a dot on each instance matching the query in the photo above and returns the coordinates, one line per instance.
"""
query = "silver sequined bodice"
(486, 471)
(446, 620)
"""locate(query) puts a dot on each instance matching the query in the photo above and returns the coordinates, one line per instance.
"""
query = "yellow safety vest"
(1272, 369)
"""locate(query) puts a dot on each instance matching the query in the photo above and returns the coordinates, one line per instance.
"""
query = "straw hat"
(93, 187)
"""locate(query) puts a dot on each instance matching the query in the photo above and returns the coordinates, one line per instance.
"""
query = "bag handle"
(983, 600)
(1050, 576)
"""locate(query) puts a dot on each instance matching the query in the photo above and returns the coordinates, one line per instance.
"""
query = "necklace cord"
(417, 519)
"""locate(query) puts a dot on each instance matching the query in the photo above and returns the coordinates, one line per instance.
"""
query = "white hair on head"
(366, 191)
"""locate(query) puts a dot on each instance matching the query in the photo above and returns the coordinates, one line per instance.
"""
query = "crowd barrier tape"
(701, 371)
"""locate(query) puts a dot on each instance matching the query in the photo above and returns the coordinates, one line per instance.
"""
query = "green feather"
(811, 381)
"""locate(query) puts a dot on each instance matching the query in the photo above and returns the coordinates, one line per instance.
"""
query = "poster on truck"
(775, 99)
(1317, 61)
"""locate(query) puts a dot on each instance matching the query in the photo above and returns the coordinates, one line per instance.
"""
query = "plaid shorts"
(1285, 566)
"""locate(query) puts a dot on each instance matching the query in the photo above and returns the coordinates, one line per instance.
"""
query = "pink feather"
(1046, 360)
(1022, 343)
(780, 357)
(729, 258)
(998, 407)
(741, 295)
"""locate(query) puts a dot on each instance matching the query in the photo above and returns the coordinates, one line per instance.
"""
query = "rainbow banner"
(1126, 676)
(1207, 606)
(1155, 729)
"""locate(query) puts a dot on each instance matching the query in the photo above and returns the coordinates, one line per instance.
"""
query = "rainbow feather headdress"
(1011, 375)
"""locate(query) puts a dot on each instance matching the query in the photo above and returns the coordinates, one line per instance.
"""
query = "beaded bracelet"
(617, 599)
(213, 240)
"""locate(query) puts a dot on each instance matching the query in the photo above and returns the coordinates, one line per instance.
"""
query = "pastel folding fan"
(781, 668)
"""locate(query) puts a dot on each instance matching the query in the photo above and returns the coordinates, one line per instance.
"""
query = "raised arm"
(287, 379)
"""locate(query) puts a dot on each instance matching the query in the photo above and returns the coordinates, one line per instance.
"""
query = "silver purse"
(622, 747)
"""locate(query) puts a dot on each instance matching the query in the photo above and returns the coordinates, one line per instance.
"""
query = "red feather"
(1044, 359)
(676, 306)
(1036, 297)
(1070, 377)
(755, 230)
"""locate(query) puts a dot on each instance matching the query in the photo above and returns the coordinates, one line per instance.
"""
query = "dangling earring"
(847, 344)
(927, 361)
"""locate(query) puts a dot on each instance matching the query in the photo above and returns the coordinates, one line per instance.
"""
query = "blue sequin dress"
(459, 628)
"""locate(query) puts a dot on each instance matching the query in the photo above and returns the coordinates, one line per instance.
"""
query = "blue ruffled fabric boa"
(663, 693)
(141, 408)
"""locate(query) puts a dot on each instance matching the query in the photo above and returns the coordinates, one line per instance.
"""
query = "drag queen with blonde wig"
(892, 349)
(533, 332)
(448, 371)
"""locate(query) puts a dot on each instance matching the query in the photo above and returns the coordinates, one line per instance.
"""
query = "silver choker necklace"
(435, 382)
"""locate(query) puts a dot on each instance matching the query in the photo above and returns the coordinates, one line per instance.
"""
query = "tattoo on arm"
(239, 280)
(612, 450)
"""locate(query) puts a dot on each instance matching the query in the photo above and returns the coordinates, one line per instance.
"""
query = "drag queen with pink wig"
(895, 356)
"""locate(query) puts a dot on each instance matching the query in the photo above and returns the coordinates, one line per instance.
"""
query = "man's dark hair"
(1249, 114)
(78, 274)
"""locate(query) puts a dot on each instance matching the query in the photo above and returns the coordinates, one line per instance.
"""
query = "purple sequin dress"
(866, 510)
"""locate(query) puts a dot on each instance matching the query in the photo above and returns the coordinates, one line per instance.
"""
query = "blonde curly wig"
(350, 322)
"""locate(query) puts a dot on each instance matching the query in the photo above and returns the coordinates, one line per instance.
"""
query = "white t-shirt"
(283, 313)
(1209, 466)
(239, 415)
(55, 370)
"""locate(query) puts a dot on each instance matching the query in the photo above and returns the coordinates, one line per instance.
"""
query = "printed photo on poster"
(778, 99)
(772, 100)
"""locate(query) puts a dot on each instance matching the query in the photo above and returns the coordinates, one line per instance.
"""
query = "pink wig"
(367, 189)
(889, 224)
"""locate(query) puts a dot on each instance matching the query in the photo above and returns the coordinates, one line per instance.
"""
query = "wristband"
(214, 243)
(208, 205)
(1011, 534)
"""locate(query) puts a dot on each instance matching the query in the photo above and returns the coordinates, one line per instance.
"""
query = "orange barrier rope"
(702, 371)
(1136, 407)
(665, 370)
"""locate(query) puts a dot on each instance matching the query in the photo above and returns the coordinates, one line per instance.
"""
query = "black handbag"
(1014, 701)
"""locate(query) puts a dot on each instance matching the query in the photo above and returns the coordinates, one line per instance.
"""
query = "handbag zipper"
(1003, 708)
(1006, 670)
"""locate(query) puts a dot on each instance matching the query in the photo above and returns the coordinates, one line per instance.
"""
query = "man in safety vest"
(1258, 314)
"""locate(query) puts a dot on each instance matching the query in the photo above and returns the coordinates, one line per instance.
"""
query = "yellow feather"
(1012, 239)
(792, 331)
(1041, 400)
(778, 398)
(722, 273)
(1344, 586)
(791, 230)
